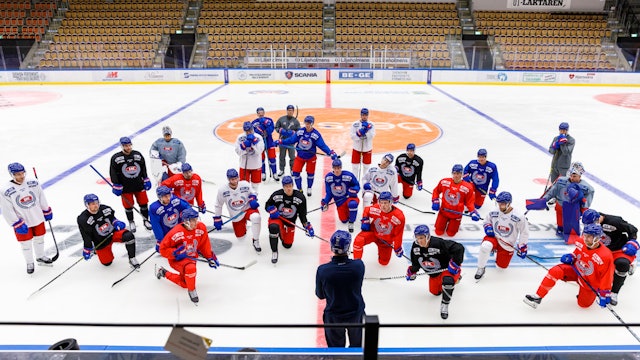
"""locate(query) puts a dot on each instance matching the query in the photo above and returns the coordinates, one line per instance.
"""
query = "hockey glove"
(202, 208)
(323, 205)
(562, 139)
(213, 261)
(453, 268)
(630, 248)
(419, 185)
(253, 201)
(309, 229)
(147, 184)
(367, 186)
(435, 205)
(48, 215)
(87, 253)
(333, 155)
(488, 230)
(217, 222)
(245, 144)
(396, 199)
(273, 212)
(522, 251)
(158, 245)
(366, 224)
(179, 253)
(475, 216)
(604, 297)
(20, 227)
(277, 142)
(116, 189)
(492, 194)
(410, 274)
(573, 192)
(119, 225)
(399, 251)
(254, 140)
(568, 259)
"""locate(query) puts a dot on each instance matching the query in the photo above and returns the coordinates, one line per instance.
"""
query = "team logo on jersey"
(382, 228)
(187, 194)
(452, 198)
(287, 212)
(586, 268)
(380, 181)
(503, 230)
(103, 229)
(236, 204)
(407, 171)
(338, 190)
(171, 219)
(131, 171)
(479, 178)
(26, 201)
(305, 144)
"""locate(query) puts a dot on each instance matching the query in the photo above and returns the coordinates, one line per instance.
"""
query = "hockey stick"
(391, 246)
(318, 208)
(208, 182)
(416, 209)
(608, 306)
(423, 189)
(404, 276)
(230, 219)
(317, 153)
(301, 228)
(518, 253)
(57, 255)
(125, 199)
(458, 212)
(134, 269)
(251, 263)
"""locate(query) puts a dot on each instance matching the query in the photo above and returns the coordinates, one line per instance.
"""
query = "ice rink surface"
(61, 130)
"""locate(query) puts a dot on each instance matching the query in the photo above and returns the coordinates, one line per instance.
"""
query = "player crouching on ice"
(181, 246)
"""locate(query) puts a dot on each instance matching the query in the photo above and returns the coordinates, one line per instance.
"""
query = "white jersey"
(237, 199)
(251, 157)
(25, 201)
(510, 228)
(382, 179)
(365, 143)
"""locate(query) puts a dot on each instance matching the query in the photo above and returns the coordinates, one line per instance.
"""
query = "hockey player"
(187, 186)
(343, 187)
(377, 179)
(439, 258)
(590, 265)
(573, 195)
(181, 246)
(561, 148)
(264, 127)
(480, 173)
(164, 214)
(506, 230)
(128, 173)
(170, 151)
(25, 208)
(99, 229)
(249, 146)
(622, 239)
(383, 225)
(242, 204)
(362, 133)
(456, 194)
(286, 126)
(340, 283)
(409, 167)
(284, 207)
(306, 140)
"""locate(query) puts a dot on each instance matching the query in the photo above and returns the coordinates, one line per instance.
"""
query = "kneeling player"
(164, 214)
(343, 187)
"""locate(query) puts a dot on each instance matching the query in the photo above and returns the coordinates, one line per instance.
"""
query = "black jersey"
(409, 169)
(128, 171)
(290, 207)
(96, 228)
(617, 232)
(436, 255)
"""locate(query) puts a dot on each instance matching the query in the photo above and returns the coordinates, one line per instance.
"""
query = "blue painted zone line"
(624, 196)
(109, 149)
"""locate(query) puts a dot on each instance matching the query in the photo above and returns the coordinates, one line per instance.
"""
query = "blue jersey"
(164, 217)
(307, 141)
(264, 127)
(482, 175)
(340, 188)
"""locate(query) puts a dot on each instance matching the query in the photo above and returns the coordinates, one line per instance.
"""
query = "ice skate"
(275, 177)
(132, 226)
(444, 310)
(614, 299)
(256, 245)
(281, 173)
(551, 202)
(532, 300)
(30, 268)
(308, 191)
(264, 177)
(274, 257)
(350, 227)
(147, 224)
(632, 268)
(134, 263)
(44, 261)
(479, 273)
(160, 272)
(193, 295)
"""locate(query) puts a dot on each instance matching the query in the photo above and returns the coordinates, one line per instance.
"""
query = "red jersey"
(595, 265)
(195, 241)
(454, 196)
(386, 226)
(187, 190)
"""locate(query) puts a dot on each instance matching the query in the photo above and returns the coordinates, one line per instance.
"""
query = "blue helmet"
(259, 109)
(388, 157)
(336, 162)
(457, 168)
(186, 167)
(15, 168)
(188, 214)
(411, 146)
(482, 152)
(364, 111)
(504, 197)
(125, 140)
(232, 173)
(385, 195)
(593, 229)
(286, 180)
(163, 190)
(590, 216)
(421, 230)
(309, 119)
(340, 242)
(246, 126)
(289, 107)
(563, 126)
(89, 198)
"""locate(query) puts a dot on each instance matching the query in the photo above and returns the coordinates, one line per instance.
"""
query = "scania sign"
(290, 75)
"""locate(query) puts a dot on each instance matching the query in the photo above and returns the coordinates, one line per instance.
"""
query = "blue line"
(624, 196)
(109, 149)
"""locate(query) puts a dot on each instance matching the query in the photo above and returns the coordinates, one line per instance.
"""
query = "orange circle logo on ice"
(627, 100)
(11, 99)
(393, 131)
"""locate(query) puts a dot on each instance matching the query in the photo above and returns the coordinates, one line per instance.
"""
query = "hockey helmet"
(385, 196)
(166, 130)
(340, 242)
(457, 168)
(15, 168)
(411, 146)
(364, 111)
(232, 173)
(125, 140)
(421, 230)
(290, 107)
(388, 157)
(336, 163)
(188, 214)
(90, 198)
(504, 197)
(286, 180)
(259, 109)
(590, 216)
(482, 152)
(163, 190)
(309, 119)
(186, 167)
(563, 126)
(246, 126)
